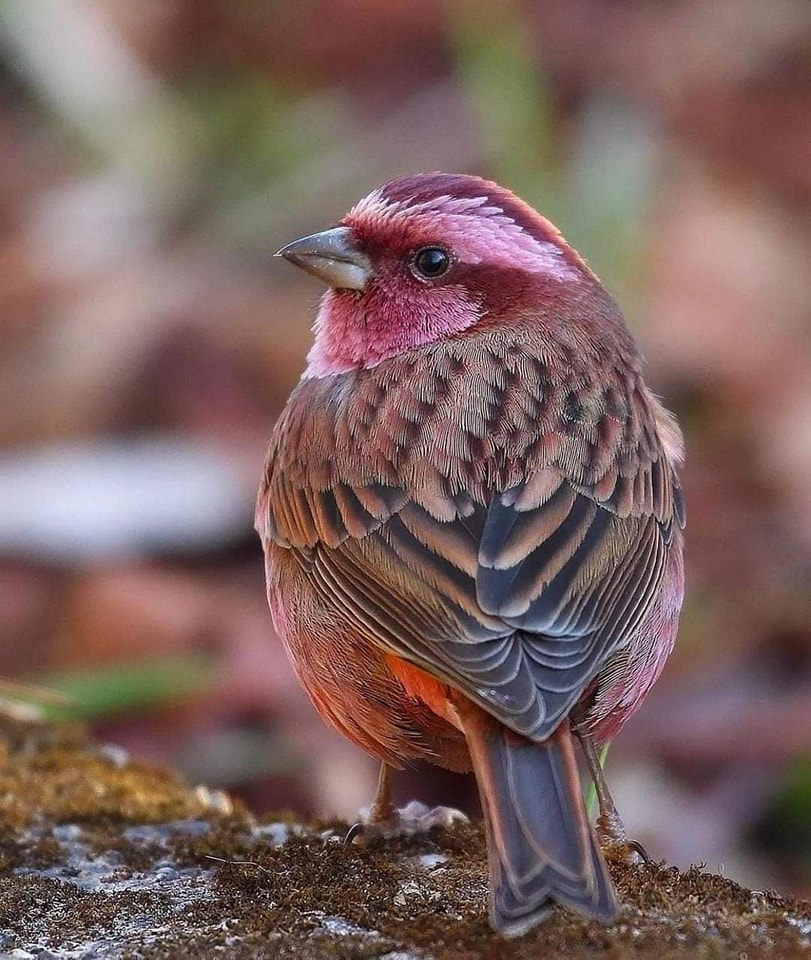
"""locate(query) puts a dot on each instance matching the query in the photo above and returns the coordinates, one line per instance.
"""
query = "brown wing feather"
(489, 509)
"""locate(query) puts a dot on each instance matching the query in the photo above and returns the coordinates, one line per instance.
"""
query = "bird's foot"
(615, 843)
(412, 819)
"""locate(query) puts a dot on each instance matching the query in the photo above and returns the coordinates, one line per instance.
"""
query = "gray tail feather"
(541, 847)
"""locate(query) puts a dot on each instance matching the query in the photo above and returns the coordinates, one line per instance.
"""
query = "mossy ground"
(208, 879)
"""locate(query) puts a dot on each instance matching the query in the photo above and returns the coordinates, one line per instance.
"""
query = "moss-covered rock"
(101, 857)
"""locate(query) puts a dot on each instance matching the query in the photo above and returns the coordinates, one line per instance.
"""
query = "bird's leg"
(382, 809)
(379, 813)
(610, 829)
(383, 819)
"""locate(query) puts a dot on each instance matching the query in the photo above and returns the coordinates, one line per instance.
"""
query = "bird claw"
(625, 851)
(356, 830)
(412, 819)
(616, 845)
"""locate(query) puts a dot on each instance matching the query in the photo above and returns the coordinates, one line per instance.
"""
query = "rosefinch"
(472, 522)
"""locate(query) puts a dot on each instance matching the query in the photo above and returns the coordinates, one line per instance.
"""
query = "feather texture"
(507, 532)
(541, 848)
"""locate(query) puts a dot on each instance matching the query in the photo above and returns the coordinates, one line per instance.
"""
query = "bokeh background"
(155, 153)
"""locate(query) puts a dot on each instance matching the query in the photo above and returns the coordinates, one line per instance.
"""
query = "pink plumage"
(472, 519)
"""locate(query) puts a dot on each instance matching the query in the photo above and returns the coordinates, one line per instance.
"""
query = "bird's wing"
(515, 597)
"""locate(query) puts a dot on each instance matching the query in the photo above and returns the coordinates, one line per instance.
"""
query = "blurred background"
(155, 153)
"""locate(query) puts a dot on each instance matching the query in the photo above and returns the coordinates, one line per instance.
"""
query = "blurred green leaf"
(591, 792)
(509, 95)
(131, 688)
(598, 184)
(251, 132)
(784, 827)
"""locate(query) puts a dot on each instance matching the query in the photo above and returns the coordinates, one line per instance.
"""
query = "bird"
(472, 521)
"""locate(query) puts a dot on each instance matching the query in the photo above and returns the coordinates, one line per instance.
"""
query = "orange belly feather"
(435, 694)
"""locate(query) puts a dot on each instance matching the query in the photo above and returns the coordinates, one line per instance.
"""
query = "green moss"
(250, 897)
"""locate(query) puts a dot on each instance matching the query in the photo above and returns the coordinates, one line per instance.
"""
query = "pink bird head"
(427, 257)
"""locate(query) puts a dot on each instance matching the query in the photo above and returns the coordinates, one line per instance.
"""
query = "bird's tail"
(542, 849)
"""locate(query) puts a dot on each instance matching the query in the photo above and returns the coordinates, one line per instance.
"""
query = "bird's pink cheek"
(354, 332)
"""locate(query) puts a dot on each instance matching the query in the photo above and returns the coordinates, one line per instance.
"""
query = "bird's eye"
(429, 263)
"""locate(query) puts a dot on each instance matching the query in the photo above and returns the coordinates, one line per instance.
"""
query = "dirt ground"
(104, 857)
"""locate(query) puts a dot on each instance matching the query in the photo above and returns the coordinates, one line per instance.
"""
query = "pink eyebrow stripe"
(476, 230)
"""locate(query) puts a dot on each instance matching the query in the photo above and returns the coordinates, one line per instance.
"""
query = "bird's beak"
(332, 256)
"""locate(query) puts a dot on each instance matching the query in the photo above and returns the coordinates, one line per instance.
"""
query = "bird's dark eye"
(430, 263)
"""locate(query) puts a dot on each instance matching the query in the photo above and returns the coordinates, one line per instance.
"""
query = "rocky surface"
(104, 857)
